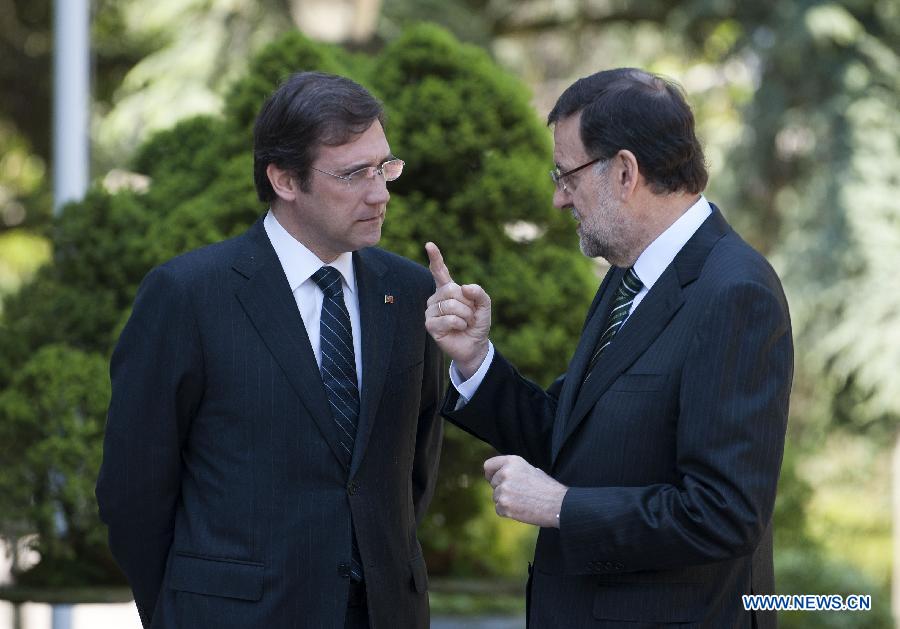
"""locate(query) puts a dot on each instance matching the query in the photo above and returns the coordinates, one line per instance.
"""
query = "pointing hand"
(457, 317)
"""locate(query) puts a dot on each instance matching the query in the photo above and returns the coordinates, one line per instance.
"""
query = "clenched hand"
(524, 492)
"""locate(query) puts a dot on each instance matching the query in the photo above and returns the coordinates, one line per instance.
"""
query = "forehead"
(567, 145)
(370, 146)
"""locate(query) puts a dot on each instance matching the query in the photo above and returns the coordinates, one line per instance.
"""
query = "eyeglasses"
(557, 177)
(390, 170)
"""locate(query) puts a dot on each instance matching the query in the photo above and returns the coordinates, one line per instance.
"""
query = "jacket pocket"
(216, 577)
(650, 602)
(419, 574)
(639, 382)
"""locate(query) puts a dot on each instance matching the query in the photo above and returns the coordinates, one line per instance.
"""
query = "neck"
(657, 215)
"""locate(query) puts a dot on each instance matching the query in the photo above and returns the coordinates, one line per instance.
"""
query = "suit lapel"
(266, 297)
(377, 323)
(589, 334)
(642, 327)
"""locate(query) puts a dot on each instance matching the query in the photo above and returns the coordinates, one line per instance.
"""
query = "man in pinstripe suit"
(273, 438)
(651, 464)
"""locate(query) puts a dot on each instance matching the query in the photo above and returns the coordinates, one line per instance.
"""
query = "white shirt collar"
(660, 253)
(298, 262)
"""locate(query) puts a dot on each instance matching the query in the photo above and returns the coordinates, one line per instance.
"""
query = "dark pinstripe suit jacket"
(228, 503)
(671, 449)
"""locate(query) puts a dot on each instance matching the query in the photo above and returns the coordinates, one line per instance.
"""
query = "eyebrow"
(360, 165)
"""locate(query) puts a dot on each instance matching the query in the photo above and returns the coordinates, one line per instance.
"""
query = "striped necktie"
(338, 361)
(338, 371)
(629, 288)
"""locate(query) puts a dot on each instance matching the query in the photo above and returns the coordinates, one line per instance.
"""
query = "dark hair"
(627, 108)
(308, 110)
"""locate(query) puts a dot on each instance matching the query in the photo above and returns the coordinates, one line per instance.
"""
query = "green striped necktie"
(629, 288)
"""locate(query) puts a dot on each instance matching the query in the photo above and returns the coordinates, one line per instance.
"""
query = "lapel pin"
(388, 299)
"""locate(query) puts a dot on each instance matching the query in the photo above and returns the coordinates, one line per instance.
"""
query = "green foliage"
(51, 427)
(21, 254)
(26, 47)
(814, 181)
(80, 298)
(198, 48)
(805, 572)
(22, 177)
(804, 563)
(181, 161)
(290, 53)
(466, 19)
(789, 519)
(476, 156)
(863, 290)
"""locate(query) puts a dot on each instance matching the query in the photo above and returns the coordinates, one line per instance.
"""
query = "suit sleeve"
(156, 371)
(509, 412)
(733, 411)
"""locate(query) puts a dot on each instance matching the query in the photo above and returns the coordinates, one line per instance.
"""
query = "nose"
(377, 192)
(561, 199)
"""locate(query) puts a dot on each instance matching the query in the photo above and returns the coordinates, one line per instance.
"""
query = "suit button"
(352, 487)
(344, 569)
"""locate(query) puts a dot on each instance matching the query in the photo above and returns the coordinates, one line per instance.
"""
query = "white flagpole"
(71, 101)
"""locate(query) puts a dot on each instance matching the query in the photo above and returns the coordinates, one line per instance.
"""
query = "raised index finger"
(439, 270)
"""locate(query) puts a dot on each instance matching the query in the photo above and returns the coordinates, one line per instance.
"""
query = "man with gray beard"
(651, 465)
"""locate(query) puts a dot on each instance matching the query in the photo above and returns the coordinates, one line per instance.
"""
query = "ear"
(627, 173)
(283, 182)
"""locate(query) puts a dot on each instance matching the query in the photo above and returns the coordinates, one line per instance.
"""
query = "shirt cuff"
(467, 389)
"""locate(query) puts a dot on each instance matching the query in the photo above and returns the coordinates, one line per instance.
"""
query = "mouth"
(372, 219)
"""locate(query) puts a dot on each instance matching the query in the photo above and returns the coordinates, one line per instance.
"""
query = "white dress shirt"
(299, 263)
(649, 267)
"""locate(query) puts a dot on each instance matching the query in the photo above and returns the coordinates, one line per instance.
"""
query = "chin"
(370, 240)
(589, 247)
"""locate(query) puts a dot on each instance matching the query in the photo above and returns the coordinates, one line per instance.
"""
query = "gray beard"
(593, 247)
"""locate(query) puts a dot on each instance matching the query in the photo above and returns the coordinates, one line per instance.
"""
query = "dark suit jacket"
(671, 449)
(227, 498)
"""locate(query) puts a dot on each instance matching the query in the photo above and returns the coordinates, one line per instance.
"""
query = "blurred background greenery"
(797, 104)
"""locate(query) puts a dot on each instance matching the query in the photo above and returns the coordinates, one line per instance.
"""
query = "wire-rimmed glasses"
(390, 170)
